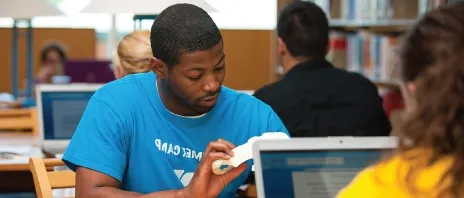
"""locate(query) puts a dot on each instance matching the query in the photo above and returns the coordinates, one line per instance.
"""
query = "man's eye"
(219, 68)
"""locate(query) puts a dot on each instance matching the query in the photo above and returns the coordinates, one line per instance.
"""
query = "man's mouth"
(209, 101)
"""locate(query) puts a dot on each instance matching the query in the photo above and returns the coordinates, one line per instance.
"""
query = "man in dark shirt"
(315, 99)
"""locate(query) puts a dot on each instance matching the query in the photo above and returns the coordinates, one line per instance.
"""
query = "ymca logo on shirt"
(177, 150)
(184, 177)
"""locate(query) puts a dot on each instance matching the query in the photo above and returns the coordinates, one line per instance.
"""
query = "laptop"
(314, 167)
(59, 110)
(89, 71)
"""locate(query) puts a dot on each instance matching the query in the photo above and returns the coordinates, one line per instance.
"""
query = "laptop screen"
(62, 111)
(315, 174)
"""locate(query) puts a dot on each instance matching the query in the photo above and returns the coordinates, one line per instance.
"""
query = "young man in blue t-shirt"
(156, 134)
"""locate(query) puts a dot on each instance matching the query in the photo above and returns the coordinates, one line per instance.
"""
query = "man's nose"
(211, 85)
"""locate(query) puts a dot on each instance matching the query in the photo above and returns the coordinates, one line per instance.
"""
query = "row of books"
(376, 9)
(373, 55)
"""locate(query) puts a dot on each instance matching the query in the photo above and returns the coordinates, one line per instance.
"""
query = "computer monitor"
(314, 167)
(59, 110)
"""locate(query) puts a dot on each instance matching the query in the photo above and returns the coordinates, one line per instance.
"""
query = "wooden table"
(19, 139)
(16, 177)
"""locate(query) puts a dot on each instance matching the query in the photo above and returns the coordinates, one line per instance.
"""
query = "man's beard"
(201, 109)
(196, 105)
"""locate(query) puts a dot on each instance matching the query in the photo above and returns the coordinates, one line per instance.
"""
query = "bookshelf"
(365, 34)
(371, 23)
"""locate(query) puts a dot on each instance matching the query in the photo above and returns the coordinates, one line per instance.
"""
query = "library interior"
(232, 98)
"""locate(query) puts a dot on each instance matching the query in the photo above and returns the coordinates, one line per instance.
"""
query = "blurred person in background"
(429, 161)
(133, 54)
(52, 58)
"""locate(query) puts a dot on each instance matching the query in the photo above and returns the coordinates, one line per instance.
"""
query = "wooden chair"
(45, 181)
(19, 119)
(251, 191)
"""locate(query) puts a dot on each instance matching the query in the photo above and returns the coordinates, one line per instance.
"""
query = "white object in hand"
(243, 153)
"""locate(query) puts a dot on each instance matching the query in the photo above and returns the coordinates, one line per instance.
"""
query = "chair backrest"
(19, 119)
(45, 179)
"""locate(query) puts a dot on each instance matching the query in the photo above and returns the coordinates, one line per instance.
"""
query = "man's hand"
(206, 184)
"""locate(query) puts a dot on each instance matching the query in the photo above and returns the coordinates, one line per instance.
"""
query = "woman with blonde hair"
(430, 159)
(133, 54)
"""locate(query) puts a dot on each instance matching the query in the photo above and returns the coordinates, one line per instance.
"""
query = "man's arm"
(93, 184)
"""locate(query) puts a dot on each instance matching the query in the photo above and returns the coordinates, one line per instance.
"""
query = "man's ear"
(281, 47)
(158, 67)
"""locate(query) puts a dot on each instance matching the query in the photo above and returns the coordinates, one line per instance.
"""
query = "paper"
(17, 149)
(243, 152)
(15, 160)
(18, 154)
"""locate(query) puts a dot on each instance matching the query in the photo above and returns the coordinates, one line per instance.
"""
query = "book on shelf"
(371, 54)
(372, 11)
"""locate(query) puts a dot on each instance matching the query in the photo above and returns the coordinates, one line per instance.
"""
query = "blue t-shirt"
(127, 133)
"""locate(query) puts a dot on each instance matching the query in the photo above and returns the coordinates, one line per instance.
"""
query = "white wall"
(232, 14)
(245, 14)
(241, 14)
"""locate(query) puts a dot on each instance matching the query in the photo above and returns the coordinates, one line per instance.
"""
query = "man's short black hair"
(182, 28)
(304, 28)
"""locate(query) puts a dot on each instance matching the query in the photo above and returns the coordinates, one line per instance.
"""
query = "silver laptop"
(314, 167)
(59, 110)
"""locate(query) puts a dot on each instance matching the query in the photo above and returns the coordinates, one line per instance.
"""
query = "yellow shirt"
(388, 180)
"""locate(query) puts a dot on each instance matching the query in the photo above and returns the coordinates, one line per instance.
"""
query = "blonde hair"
(134, 52)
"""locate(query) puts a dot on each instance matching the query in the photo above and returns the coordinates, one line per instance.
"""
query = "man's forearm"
(103, 192)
